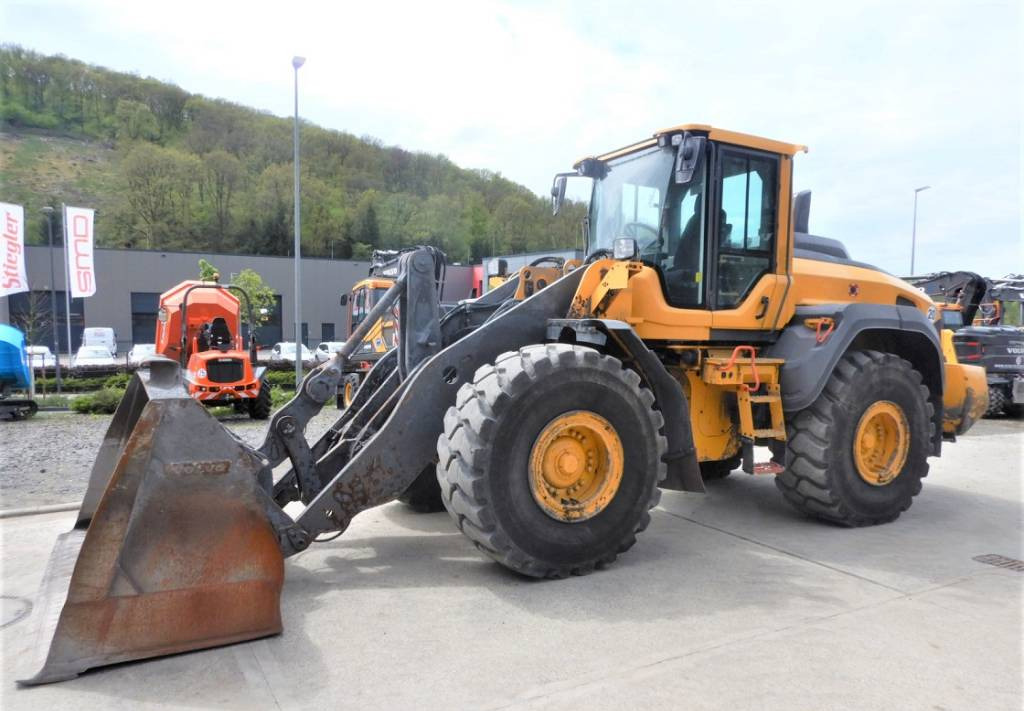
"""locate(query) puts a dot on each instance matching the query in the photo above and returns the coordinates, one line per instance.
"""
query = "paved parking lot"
(729, 601)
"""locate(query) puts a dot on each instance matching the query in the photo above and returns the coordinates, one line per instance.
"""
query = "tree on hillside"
(169, 169)
(135, 120)
(223, 175)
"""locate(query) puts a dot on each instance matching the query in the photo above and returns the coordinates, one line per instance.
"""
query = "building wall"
(120, 272)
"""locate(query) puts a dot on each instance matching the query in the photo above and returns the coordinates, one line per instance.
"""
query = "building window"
(270, 331)
(326, 331)
(30, 312)
(145, 305)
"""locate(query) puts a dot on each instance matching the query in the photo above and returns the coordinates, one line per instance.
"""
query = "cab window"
(682, 261)
(745, 239)
(359, 307)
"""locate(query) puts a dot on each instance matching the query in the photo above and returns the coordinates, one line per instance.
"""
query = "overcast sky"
(889, 96)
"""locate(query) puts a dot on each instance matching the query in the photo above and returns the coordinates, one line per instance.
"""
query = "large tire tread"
(807, 482)
(465, 447)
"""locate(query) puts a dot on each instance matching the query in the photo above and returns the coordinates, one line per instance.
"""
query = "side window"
(358, 307)
(682, 262)
(746, 225)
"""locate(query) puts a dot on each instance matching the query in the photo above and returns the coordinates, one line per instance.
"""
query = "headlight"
(201, 373)
(624, 248)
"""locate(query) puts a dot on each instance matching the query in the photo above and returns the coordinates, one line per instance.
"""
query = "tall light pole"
(296, 63)
(913, 234)
(48, 211)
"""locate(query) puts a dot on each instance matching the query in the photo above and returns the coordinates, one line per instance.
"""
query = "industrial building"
(130, 282)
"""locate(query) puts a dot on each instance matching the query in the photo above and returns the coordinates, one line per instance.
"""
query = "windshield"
(628, 200)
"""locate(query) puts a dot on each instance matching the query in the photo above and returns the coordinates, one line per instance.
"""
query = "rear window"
(952, 319)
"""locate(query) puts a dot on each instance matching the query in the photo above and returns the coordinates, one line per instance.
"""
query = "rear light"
(364, 365)
(969, 350)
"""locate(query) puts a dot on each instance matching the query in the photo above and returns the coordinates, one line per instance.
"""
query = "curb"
(36, 510)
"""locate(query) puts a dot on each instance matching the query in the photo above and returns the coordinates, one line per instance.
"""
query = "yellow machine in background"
(381, 338)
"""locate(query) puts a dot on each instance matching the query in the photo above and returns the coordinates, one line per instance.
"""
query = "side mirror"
(688, 157)
(557, 193)
(344, 299)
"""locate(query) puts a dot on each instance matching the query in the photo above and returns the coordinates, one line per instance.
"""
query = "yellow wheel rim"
(348, 392)
(881, 444)
(576, 466)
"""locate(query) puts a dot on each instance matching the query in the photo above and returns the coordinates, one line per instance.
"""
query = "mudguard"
(619, 339)
(811, 358)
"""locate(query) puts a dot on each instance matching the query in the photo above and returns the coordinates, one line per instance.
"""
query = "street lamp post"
(296, 63)
(913, 234)
(48, 211)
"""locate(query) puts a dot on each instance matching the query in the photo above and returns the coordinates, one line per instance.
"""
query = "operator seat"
(220, 334)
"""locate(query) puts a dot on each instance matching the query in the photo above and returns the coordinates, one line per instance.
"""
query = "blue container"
(13, 362)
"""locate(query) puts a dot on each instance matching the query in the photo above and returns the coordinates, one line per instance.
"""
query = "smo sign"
(78, 232)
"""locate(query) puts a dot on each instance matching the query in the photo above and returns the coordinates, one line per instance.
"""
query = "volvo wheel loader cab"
(547, 414)
(199, 325)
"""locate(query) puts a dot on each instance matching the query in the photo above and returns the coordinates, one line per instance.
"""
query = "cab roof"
(715, 134)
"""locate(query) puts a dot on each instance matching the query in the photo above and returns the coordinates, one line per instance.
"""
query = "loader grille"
(225, 370)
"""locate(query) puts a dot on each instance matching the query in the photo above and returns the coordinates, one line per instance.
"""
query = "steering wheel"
(631, 227)
(558, 262)
(598, 254)
(630, 230)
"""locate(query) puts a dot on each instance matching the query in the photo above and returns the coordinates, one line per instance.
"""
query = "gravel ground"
(47, 458)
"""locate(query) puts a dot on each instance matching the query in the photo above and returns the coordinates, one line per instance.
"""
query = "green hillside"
(172, 170)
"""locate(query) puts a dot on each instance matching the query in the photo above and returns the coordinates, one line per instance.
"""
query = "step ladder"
(756, 384)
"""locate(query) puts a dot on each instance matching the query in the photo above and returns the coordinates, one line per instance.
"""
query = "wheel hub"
(576, 466)
(881, 443)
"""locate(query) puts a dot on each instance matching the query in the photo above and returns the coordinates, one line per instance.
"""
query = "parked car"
(139, 353)
(94, 357)
(40, 357)
(326, 350)
(284, 352)
(100, 336)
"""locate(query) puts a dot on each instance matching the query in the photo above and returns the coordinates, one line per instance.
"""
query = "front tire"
(857, 455)
(550, 460)
(260, 406)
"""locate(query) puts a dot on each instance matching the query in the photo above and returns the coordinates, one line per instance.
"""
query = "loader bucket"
(172, 550)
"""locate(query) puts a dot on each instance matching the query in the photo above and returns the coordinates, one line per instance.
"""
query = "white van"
(100, 336)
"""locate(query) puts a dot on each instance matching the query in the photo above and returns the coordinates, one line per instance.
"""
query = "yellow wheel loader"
(704, 325)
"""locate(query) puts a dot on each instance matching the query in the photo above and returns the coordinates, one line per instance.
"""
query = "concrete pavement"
(730, 600)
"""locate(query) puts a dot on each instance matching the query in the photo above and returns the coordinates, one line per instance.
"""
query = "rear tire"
(823, 477)
(709, 471)
(488, 459)
(424, 494)
(260, 406)
(996, 401)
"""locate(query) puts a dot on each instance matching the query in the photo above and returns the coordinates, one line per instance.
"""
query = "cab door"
(748, 236)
